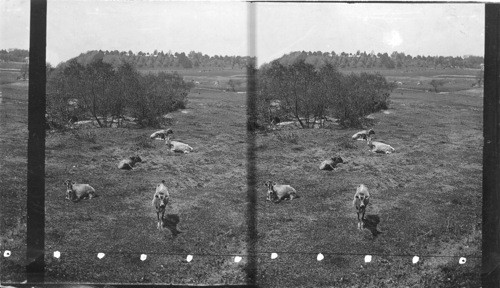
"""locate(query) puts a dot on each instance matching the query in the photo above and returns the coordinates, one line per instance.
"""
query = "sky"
(220, 27)
(415, 29)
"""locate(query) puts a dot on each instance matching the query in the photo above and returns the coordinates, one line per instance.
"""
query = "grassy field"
(210, 78)
(11, 65)
(426, 197)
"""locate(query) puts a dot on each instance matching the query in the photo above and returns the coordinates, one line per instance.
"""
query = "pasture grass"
(426, 198)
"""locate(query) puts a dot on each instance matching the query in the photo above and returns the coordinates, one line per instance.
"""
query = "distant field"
(210, 78)
(427, 196)
(11, 65)
(416, 73)
(200, 72)
(7, 77)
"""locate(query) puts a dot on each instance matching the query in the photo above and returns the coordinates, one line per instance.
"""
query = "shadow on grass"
(170, 222)
(371, 222)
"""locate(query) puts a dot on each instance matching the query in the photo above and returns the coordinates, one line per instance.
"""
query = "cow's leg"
(359, 222)
(159, 221)
(363, 219)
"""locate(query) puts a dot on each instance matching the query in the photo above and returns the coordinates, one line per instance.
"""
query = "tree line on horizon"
(396, 60)
(13, 55)
(160, 59)
(198, 60)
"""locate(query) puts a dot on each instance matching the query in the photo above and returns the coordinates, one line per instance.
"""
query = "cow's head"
(337, 160)
(362, 199)
(135, 159)
(271, 193)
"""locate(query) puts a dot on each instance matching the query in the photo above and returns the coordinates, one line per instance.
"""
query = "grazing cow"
(160, 201)
(360, 202)
(379, 147)
(363, 135)
(128, 164)
(331, 163)
(76, 192)
(276, 192)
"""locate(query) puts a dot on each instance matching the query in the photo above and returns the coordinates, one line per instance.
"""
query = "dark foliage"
(13, 55)
(107, 94)
(396, 60)
(161, 60)
(302, 93)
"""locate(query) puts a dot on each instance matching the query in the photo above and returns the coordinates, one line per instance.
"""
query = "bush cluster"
(107, 94)
(306, 94)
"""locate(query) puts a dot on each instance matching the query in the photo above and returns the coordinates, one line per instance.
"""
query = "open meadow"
(205, 216)
(425, 197)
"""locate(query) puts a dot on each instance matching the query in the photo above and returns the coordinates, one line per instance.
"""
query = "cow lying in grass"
(176, 146)
(331, 163)
(128, 164)
(361, 200)
(379, 147)
(76, 192)
(160, 201)
(276, 192)
(160, 134)
(363, 135)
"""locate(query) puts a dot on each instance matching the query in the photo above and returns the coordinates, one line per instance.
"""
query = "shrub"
(104, 93)
(308, 94)
(436, 83)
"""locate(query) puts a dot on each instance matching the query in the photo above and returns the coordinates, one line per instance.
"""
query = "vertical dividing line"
(35, 238)
(251, 216)
(490, 274)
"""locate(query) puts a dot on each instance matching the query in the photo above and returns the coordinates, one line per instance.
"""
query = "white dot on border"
(415, 259)
(6, 253)
(237, 259)
(462, 260)
(189, 258)
(320, 257)
(100, 255)
(57, 254)
(368, 258)
(274, 255)
(144, 257)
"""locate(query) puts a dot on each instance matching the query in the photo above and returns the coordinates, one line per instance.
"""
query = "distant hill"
(161, 60)
(394, 61)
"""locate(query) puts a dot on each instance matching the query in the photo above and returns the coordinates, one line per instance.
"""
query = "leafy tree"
(306, 94)
(436, 83)
(105, 93)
